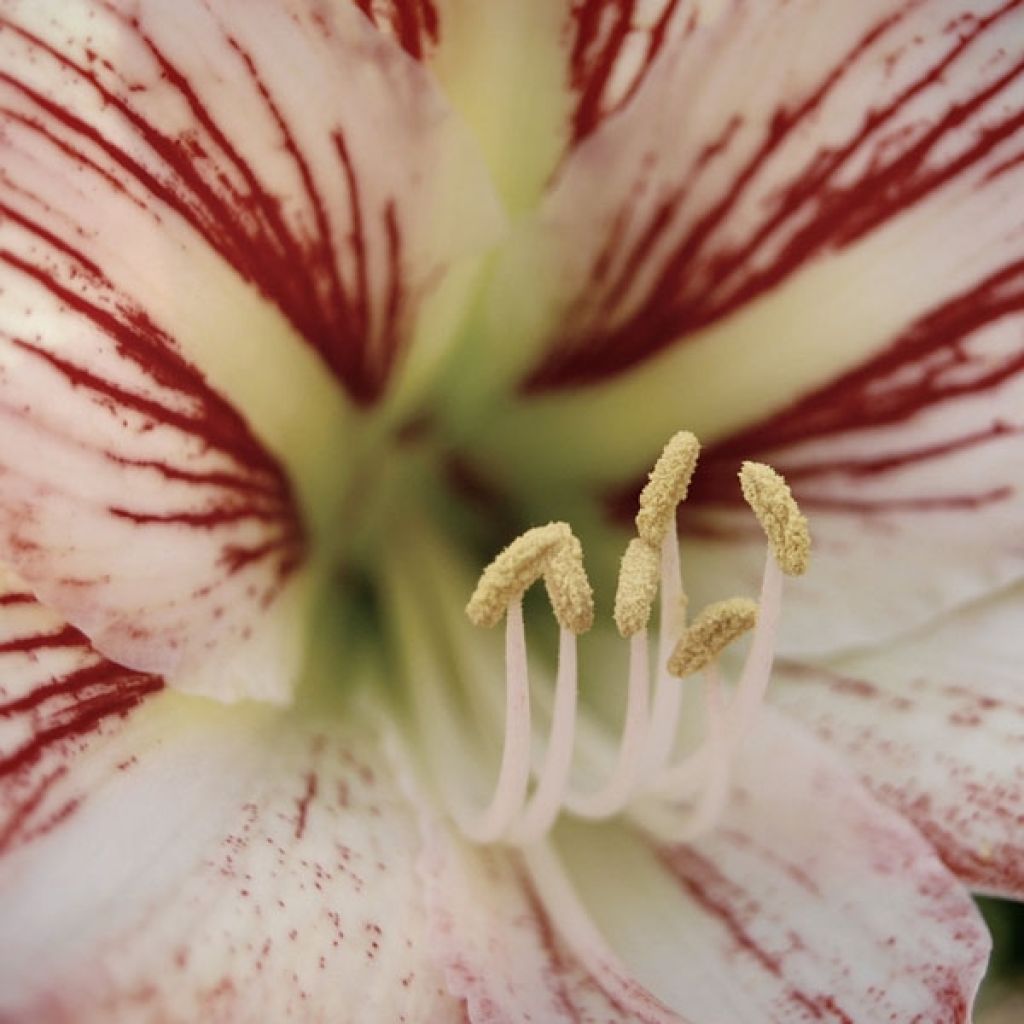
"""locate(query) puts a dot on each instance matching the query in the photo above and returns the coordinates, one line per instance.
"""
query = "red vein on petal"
(938, 360)
(229, 481)
(57, 716)
(698, 279)
(205, 519)
(414, 24)
(65, 637)
(88, 713)
(303, 802)
(358, 239)
(601, 31)
(725, 902)
(923, 369)
(67, 686)
(247, 227)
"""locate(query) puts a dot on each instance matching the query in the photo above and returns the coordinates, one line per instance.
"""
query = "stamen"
(514, 773)
(638, 587)
(514, 571)
(706, 773)
(693, 789)
(666, 487)
(757, 669)
(613, 796)
(768, 494)
(585, 939)
(668, 694)
(548, 798)
(554, 553)
(713, 630)
(569, 591)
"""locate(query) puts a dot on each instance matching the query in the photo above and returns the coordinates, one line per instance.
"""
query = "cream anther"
(666, 487)
(637, 591)
(683, 774)
(569, 591)
(712, 631)
(768, 494)
(514, 571)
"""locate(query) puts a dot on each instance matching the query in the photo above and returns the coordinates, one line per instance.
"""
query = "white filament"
(584, 939)
(668, 695)
(546, 803)
(688, 793)
(514, 773)
(613, 796)
(736, 720)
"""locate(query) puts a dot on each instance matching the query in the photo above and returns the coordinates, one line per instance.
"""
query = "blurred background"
(1002, 997)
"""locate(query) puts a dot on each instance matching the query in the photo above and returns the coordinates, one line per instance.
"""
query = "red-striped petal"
(414, 24)
(614, 45)
(934, 724)
(193, 254)
(910, 471)
(849, 121)
(185, 861)
(799, 194)
(60, 701)
(329, 210)
(135, 499)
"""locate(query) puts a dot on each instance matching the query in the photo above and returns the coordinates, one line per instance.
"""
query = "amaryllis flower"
(308, 308)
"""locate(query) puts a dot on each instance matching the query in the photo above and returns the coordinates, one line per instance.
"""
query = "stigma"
(688, 789)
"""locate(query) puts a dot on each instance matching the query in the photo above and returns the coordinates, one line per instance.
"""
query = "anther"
(768, 494)
(666, 487)
(637, 591)
(712, 631)
(514, 571)
(649, 575)
(569, 591)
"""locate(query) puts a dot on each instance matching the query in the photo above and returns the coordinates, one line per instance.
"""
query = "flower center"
(556, 755)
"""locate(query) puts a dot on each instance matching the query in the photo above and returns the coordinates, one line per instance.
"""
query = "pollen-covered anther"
(514, 571)
(712, 631)
(569, 590)
(785, 526)
(639, 576)
(666, 487)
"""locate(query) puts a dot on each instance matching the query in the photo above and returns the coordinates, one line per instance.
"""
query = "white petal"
(934, 724)
(59, 700)
(193, 256)
(585, 62)
(605, 49)
(501, 951)
(796, 189)
(911, 514)
(178, 860)
(810, 901)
